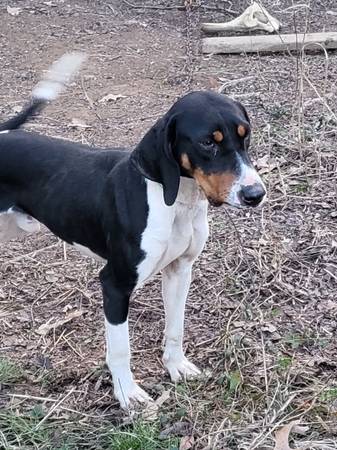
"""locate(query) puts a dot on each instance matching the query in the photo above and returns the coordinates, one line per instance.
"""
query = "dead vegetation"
(261, 319)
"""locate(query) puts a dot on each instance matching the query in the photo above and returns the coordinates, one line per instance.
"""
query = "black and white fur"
(139, 212)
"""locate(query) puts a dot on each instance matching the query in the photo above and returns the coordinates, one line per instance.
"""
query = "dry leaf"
(282, 435)
(13, 11)
(186, 443)
(265, 165)
(213, 83)
(150, 413)
(16, 109)
(111, 98)
(46, 327)
(263, 162)
(135, 22)
(177, 429)
(78, 123)
(269, 327)
(51, 276)
(300, 429)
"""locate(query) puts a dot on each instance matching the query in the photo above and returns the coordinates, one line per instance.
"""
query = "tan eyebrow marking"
(242, 131)
(218, 136)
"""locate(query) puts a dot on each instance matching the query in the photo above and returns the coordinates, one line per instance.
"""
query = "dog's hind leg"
(14, 223)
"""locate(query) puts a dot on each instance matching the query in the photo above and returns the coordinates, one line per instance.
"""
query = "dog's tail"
(48, 89)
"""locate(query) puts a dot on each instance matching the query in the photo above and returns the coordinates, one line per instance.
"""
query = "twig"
(234, 82)
(179, 7)
(52, 409)
(30, 254)
(91, 103)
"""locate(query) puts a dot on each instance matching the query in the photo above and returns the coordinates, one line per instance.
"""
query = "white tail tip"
(57, 77)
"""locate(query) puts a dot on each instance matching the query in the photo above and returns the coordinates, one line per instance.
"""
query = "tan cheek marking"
(185, 162)
(218, 136)
(227, 181)
(217, 186)
(202, 180)
(242, 131)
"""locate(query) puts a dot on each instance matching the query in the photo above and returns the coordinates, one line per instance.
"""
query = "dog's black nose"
(252, 195)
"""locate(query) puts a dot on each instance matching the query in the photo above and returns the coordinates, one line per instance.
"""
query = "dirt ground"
(261, 317)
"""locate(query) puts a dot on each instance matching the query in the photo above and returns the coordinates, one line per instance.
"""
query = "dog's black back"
(70, 184)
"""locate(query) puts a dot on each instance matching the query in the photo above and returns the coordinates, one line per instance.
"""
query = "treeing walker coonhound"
(140, 212)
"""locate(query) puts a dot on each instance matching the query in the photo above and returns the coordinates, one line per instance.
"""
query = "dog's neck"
(189, 192)
(148, 169)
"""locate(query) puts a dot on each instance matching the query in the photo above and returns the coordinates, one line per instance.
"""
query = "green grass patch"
(26, 432)
(302, 188)
(329, 395)
(284, 362)
(276, 312)
(231, 381)
(296, 340)
(143, 436)
(21, 432)
(9, 371)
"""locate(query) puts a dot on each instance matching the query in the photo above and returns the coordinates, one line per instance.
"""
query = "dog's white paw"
(130, 393)
(181, 368)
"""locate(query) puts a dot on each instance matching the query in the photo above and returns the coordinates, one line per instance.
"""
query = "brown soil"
(261, 318)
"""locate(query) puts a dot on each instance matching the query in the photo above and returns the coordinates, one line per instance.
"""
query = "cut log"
(273, 43)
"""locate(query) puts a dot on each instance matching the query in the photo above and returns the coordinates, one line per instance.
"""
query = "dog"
(140, 212)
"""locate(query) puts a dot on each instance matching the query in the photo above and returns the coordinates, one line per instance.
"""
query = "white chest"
(172, 231)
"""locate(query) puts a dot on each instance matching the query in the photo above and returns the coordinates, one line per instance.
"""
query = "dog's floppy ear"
(155, 159)
(169, 168)
(243, 110)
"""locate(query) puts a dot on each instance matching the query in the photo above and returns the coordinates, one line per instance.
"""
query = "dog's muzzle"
(252, 195)
(248, 190)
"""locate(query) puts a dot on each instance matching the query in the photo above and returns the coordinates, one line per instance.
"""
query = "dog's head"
(205, 136)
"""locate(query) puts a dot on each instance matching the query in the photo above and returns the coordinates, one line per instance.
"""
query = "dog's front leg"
(116, 296)
(175, 285)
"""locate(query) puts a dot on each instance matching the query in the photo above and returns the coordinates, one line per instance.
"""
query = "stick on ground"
(271, 43)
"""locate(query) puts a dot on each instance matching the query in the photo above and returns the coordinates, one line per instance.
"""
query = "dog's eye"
(208, 143)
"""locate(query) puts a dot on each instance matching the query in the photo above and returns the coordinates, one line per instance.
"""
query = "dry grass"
(261, 318)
